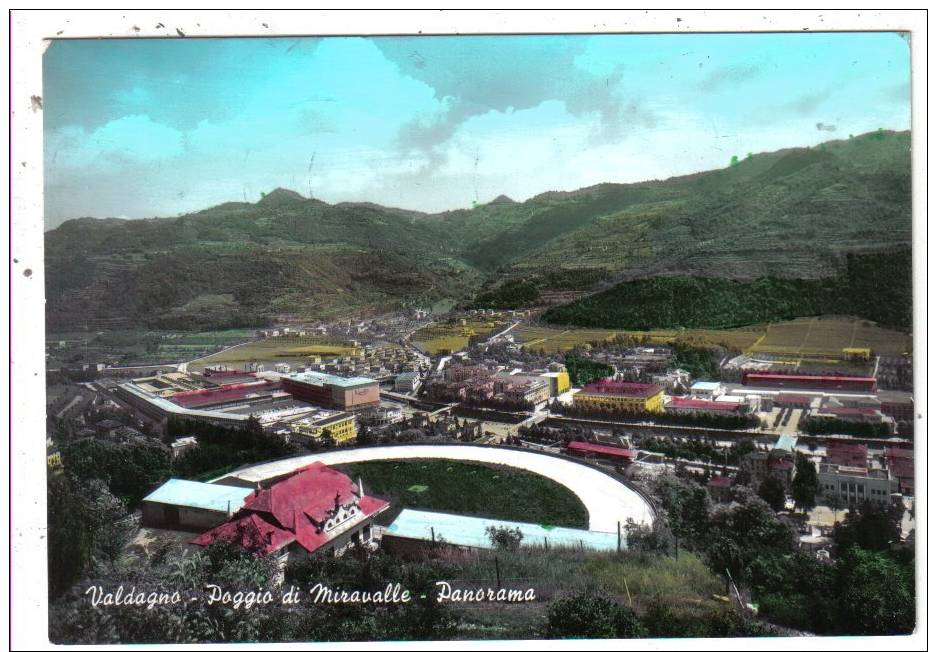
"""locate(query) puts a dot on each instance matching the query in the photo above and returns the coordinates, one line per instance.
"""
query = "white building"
(856, 485)
(706, 390)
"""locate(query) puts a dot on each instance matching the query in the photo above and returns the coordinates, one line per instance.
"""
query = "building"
(817, 382)
(672, 379)
(336, 392)
(523, 389)
(315, 510)
(760, 465)
(406, 382)
(601, 451)
(182, 445)
(856, 485)
(706, 390)
(620, 396)
(720, 488)
(341, 426)
(898, 409)
(846, 454)
(195, 506)
(381, 417)
(678, 405)
(558, 380)
(413, 531)
(900, 464)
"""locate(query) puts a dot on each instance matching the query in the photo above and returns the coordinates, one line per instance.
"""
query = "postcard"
(520, 335)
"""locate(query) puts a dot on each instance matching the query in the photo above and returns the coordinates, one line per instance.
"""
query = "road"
(608, 501)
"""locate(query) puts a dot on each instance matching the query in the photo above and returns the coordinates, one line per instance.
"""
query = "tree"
(870, 527)
(876, 594)
(505, 538)
(804, 486)
(772, 492)
(586, 615)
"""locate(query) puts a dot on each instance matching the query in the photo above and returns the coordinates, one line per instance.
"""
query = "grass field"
(474, 489)
(452, 335)
(812, 336)
(286, 348)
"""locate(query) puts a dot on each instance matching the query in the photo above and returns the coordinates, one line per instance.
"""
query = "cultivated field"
(811, 336)
(553, 340)
(452, 335)
(828, 336)
(286, 348)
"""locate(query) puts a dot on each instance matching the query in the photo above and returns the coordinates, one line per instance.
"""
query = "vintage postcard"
(507, 334)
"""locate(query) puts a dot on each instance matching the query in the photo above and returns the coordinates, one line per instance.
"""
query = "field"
(474, 489)
(286, 348)
(828, 336)
(814, 336)
(553, 340)
(452, 335)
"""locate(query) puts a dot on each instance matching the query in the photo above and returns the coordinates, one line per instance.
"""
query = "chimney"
(360, 488)
(229, 509)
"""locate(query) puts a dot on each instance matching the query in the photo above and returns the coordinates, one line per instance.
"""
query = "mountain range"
(793, 214)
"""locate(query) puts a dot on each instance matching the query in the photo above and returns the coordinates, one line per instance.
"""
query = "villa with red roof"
(315, 509)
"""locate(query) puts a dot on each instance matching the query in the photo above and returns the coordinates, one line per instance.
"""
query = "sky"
(163, 127)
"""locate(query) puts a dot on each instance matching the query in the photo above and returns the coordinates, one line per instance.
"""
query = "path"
(608, 501)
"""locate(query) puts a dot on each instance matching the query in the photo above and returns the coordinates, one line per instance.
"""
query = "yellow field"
(276, 349)
(814, 336)
(828, 336)
(453, 335)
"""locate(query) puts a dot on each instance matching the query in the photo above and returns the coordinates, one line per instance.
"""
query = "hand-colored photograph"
(479, 337)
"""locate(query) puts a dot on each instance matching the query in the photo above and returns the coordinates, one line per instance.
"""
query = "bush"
(586, 615)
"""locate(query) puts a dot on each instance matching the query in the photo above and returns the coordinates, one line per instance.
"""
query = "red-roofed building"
(845, 454)
(697, 406)
(619, 396)
(314, 510)
(802, 381)
(900, 464)
(720, 488)
(588, 448)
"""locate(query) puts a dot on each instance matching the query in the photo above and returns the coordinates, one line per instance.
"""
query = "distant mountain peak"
(281, 196)
(502, 199)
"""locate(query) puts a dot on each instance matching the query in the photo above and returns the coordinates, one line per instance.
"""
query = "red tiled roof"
(839, 379)
(700, 404)
(621, 388)
(720, 481)
(851, 410)
(222, 394)
(895, 452)
(293, 509)
(589, 447)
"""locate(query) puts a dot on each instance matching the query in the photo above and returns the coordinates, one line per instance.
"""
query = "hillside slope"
(787, 214)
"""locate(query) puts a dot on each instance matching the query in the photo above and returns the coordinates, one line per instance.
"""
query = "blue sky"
(143, 128)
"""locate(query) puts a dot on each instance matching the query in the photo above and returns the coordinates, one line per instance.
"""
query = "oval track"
(608, 501)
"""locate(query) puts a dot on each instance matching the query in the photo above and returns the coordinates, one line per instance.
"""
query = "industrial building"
(677, 405)
(829, 383)
(336, 392)
(620, 396)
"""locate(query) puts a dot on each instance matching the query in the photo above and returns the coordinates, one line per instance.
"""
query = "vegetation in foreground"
(475, 489)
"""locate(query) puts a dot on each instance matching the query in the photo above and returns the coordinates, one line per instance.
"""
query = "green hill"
(790, 214)
(874, 286)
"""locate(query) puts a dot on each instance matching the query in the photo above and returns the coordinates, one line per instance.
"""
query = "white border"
(27, 382)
